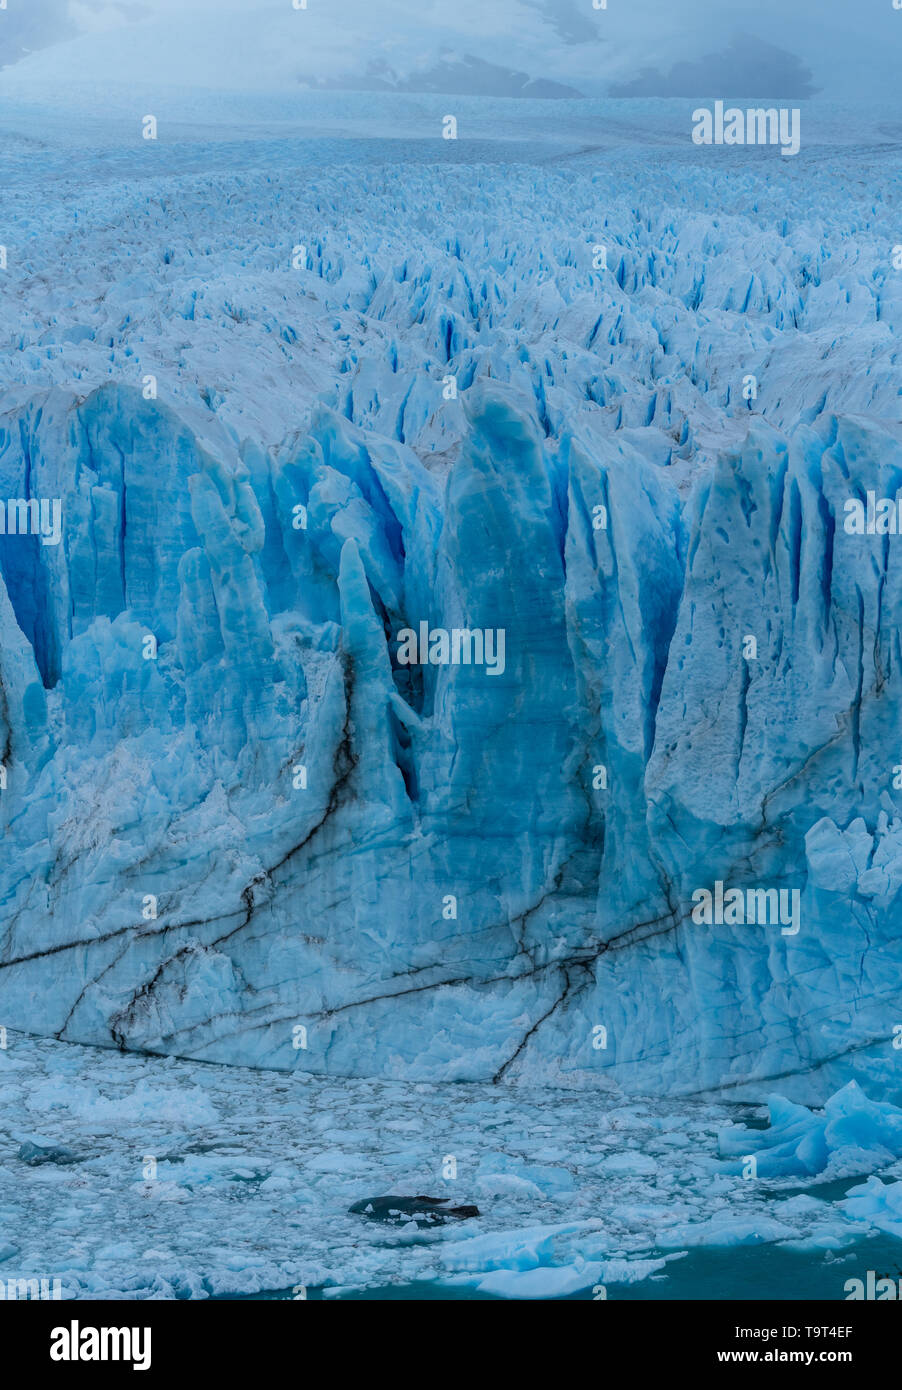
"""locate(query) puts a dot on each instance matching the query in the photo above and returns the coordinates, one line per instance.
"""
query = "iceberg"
(851, 1135)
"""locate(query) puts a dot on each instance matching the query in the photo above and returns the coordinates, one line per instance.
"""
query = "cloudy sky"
(633, 47)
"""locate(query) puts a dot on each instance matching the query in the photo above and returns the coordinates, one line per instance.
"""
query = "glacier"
(272, 829)
(325, 377)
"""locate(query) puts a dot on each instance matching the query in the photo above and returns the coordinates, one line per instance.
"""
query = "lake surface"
(747, 1272)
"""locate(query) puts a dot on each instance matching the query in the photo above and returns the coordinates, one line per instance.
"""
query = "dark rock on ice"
(430, 1211)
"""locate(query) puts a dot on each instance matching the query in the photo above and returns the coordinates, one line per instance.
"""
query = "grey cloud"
(31, 24)
(748, 68)
(570, 21)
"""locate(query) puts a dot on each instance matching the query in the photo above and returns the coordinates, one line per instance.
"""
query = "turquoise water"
(753, 1272)
(761, 1271)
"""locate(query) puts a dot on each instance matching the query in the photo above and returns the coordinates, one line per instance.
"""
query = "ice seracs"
(450, 870)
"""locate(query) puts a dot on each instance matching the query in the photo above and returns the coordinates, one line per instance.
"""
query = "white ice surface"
(256, 1171)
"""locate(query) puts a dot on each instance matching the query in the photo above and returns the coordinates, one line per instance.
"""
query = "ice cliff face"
(474, 869)
(237, 827)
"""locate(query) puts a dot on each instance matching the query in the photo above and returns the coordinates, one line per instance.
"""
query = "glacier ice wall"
(476, 876)
(168, 785)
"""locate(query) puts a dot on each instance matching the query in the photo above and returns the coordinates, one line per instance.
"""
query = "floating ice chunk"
(549, 1180)
(726, 1228)
(526, 1248)
(508, 1185)
(852, 1134)
(633, 1271)
(35, 1152)
(119, 1250)
(877, 1203)
(630, 1161)
(554, 1281)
